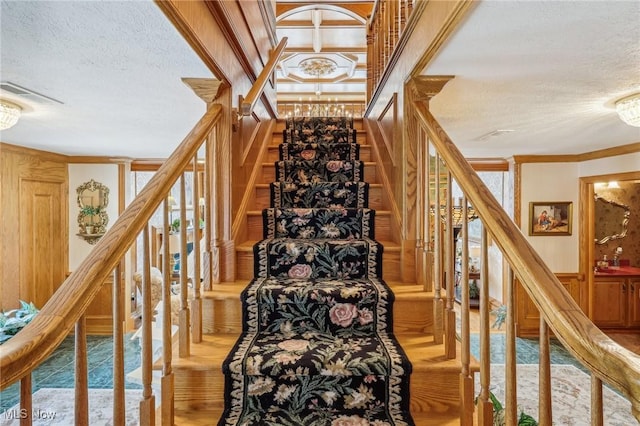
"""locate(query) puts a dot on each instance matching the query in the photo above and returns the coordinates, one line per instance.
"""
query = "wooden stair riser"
(273, 154)
(412, 313)
(199, 382)
(262, 198)
(432, 390)
(255, 231)
(390, 264)
(268, 173)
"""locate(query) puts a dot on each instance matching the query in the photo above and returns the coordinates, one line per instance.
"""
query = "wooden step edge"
(425, 355)
(248, 245)
(210, 353)
(371, 185)
(378, 212)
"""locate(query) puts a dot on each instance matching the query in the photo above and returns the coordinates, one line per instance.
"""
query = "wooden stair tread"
(248, 245)
(378, 212)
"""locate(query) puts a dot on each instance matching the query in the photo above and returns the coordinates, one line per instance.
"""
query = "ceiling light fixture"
(9, 114)
(629, 109)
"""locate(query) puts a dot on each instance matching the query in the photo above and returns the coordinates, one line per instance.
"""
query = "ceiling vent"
(26, 93)
(494, 134)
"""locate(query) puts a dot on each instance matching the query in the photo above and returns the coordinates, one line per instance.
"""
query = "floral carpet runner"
(317, 346)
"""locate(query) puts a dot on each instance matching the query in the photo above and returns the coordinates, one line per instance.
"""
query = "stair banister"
(29, 348)
(249, 102)
(608, 360)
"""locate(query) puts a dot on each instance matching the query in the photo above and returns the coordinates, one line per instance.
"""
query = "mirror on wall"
(93, 198)
(611, 219)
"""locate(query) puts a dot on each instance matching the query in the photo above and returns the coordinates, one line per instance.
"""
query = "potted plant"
(13, 321)
(90, 212)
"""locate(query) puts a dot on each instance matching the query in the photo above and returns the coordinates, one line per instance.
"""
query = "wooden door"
(43, 239)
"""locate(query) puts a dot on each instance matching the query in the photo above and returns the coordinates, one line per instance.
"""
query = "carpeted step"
(315, 136)
(343, 308)
(311, 171)
(317, 258)
(319, 129)
(318, 124)
(319, 195)
(319, 151)
(364, 376)
(339, 223)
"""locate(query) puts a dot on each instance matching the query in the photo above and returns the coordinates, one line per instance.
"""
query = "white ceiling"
(548, 70)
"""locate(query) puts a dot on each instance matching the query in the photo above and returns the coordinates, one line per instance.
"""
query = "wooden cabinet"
(634, 302)
(610, 300)
(616, 302)
(527, 314)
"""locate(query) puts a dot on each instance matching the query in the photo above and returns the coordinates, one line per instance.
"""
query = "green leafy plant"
(11, 322)
(90, 210)
(501, 316)
(175, 225)
(499, 414)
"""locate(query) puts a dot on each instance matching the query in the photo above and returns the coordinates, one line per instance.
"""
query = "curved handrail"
(247, 104)
(611, 362)
(33, 344)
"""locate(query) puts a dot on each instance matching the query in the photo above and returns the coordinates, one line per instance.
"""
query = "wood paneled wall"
(33, 226)
(235, 40)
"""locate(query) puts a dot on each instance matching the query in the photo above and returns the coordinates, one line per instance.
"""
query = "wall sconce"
(629, 109)
(9, 114)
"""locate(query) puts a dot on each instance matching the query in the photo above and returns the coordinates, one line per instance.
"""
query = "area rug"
(571, 398)
(55, 406)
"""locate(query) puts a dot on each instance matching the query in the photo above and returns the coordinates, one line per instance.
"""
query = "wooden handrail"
(605, 358)
(247, 104)
(23, 352)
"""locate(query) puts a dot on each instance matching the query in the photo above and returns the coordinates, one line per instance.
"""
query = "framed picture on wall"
(550, 217)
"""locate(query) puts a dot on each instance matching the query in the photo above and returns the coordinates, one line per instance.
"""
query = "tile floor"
(58, 370)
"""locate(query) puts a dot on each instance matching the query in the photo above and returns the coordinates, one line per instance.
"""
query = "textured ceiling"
(116, 68)
(548, 70)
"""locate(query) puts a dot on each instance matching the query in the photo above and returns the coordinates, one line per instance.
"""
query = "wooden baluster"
(184, 315)
(415, 132)
(485, 406)
(426, 213)
(26, 400)
(147, 403)
(167, 382)
(438, 327)
(370, 62)
(544, 380)
(196, 302)
(118, 347)
(215, 211)
(81, 382)
(450, 315)
(596, 401)
(403, 17)
(395, 19)
(511, 400)
(466, 379)
(208, 221)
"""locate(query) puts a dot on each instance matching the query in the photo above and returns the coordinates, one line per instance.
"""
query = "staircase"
(287, 363)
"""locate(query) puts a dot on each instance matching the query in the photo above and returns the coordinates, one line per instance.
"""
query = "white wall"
(106, 174)
(604, 166)
(552, 182)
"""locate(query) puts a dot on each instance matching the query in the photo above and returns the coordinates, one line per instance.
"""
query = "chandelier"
(9, 114)
(629, 109)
